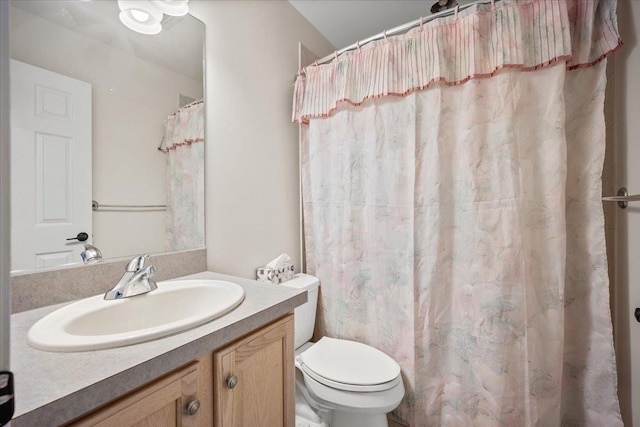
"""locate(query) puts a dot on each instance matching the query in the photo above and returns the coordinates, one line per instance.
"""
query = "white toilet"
(349, 384)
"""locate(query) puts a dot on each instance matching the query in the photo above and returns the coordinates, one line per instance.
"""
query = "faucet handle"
(151, 271)
(136, 264)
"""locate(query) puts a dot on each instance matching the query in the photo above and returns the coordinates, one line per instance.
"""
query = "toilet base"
(350, 419)
(344, 408)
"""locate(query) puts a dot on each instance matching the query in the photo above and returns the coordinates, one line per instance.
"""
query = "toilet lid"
(349, 362)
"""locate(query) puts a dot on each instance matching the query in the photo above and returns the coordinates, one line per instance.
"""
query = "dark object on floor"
(7, 404)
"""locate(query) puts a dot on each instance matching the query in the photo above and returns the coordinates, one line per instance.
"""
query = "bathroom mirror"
(129, 85)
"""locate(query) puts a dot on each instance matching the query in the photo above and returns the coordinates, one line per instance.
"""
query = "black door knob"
(80, 237)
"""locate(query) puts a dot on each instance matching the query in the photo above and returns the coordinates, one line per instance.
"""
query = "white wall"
(252, 195)
(626, 132)
(128, 117)
(5, 290)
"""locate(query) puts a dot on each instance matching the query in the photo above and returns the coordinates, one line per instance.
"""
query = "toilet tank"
(305, 314)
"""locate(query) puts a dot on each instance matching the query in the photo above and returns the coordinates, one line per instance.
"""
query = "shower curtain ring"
(384, 33)
(316, 63)
(421, 24)
(335, 55)
(457, 10)
(358, 45)
(493, 4)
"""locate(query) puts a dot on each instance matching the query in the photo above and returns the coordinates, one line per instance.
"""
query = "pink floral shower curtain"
(459, 227)
(184, 145)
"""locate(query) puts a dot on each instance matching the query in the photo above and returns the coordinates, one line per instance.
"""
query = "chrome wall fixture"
(97, 206)
(623, 198)
(90, 254)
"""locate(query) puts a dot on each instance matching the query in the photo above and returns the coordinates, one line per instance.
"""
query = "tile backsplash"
(53, 286)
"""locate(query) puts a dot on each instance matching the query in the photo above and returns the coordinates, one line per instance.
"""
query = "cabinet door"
(254, 379)
(163, 403)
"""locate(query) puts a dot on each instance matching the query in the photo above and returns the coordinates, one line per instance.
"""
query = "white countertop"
(53, 388)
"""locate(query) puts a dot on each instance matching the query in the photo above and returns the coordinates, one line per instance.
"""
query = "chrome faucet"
(135, 280)
(90, 254)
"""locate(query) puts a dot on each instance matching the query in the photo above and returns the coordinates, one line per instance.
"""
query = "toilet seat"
(350, 387)
(349, 366)
(330, 398)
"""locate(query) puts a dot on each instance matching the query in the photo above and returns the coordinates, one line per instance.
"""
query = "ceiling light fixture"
(172, 7)
(140, 16)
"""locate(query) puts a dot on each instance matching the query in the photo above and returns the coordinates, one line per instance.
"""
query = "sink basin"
(95, 324)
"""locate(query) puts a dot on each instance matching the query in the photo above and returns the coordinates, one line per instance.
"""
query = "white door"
(50, 167)
(626, 129)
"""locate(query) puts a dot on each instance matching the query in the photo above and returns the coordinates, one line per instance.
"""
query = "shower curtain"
(184, 145)
(451, 196)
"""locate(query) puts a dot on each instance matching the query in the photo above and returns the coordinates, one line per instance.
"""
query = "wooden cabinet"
(163, 403)
(249, 383)
(254, 379)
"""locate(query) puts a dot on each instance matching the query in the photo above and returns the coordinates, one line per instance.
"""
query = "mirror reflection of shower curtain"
(184, 145)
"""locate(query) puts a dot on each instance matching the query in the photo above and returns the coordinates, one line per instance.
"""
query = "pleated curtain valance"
(184, 127)
(479, 41)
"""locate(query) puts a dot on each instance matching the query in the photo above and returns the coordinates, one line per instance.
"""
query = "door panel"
(53, 176)
(50, 167)
(625, 129)
(262, 368)
(162, 403)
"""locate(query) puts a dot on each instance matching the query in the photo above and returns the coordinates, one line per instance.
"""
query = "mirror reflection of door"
(50, 167)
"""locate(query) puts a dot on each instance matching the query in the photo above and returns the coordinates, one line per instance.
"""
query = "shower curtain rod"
(401, 29)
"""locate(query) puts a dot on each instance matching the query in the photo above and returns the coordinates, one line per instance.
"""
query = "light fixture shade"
(172, 7)
(140, 16)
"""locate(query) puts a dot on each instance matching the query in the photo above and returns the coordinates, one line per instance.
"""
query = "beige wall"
(625, 127)
(252, 183)
(128, 117)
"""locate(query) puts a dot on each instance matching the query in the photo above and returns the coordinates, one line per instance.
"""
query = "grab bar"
(623, 198)
(95, 206)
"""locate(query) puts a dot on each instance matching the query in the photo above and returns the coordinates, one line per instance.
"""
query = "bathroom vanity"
(235, 370)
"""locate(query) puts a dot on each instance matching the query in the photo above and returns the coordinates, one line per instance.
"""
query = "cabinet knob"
(193, 406)
(232, 381)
